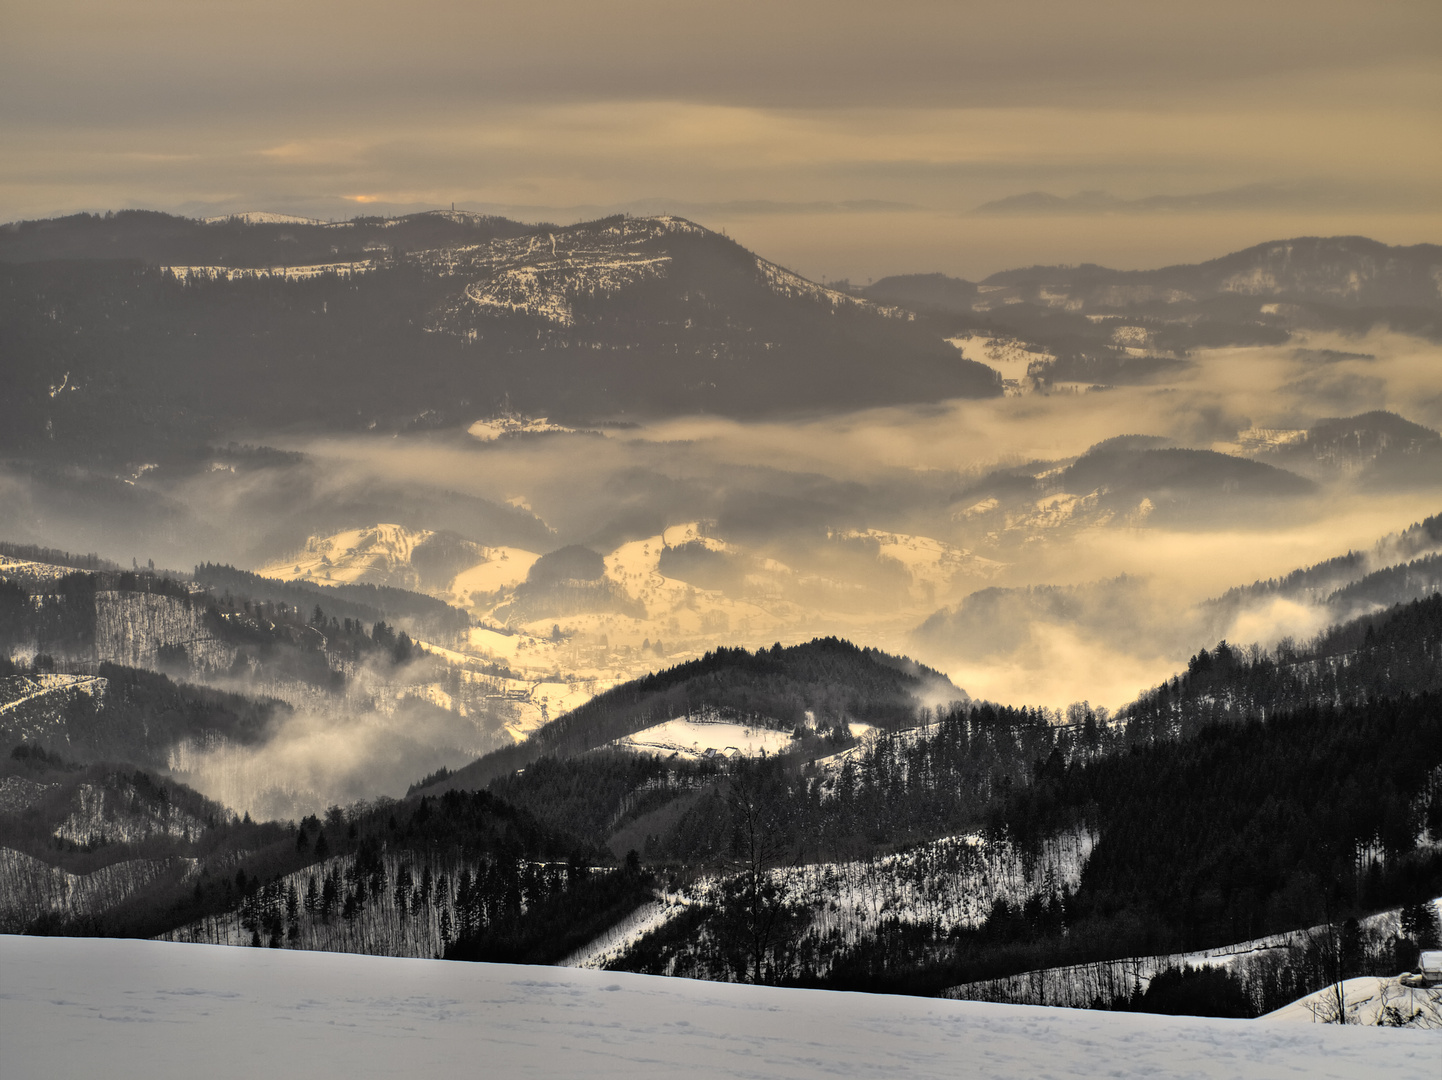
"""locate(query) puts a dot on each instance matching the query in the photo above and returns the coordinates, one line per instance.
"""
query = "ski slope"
(153, 1010)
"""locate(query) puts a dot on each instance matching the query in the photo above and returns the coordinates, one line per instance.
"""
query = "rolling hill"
(1098, 325)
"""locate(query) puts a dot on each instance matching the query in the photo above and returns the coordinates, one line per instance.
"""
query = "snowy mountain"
(623, 317)
(1347, 270)
(1091, 325)
(531, 659)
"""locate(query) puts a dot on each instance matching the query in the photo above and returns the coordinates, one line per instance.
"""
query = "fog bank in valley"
(978, 537)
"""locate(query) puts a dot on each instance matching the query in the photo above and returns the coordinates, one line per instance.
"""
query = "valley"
(599, 595)
(566, 540)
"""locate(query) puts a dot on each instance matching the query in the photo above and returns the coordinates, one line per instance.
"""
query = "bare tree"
(1327, 945)
(755, 916)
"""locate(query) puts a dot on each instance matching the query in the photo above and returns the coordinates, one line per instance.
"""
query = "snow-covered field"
(372, 555)
(26, 570)
(1007, 355)
(504, 568)
(149, 1010)
(1364, 1001)
(692, 739)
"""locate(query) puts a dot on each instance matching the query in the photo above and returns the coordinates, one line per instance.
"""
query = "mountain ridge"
(613, 318)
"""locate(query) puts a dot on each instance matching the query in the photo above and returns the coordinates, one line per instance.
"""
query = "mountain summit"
(426, 321)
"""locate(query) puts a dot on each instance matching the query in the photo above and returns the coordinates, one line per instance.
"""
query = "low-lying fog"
(866, 526)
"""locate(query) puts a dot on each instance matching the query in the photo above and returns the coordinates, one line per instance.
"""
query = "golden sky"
(746, 115)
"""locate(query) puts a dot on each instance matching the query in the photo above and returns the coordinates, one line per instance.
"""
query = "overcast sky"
(559, 109)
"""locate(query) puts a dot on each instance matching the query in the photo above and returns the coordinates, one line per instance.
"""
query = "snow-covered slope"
(945, 884)
(504, 568)
(30, 889)
(539, 277)
(693, 739)
(618, 940)
(1369, 1001)
(132, 627)
(249, 273)
(27, 570)
(261, 217)
(378, 555)
(116, 813)
(153, 1010)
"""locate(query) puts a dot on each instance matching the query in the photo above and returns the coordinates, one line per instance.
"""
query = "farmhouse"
(1429, 970)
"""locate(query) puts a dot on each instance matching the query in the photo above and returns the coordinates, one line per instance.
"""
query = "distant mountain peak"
(1245, 197)
(546, 273)
(1043, 202)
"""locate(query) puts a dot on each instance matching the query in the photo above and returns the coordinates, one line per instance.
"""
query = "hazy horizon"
(1330, 111)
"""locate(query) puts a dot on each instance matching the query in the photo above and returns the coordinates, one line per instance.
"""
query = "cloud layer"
(332, 109)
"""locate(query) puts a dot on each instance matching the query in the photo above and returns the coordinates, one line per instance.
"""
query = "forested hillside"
(821, 685)
(362, 602)
(1089, 323)
(146, 669)
(1393, 653)
(1316, 801)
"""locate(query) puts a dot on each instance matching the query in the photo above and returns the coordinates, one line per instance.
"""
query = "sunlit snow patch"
(695, 739)
(253, 273)
(260, 217)
(371, 554)
(500, 426)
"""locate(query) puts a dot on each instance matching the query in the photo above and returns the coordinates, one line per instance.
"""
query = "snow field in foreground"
(124, 1008)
